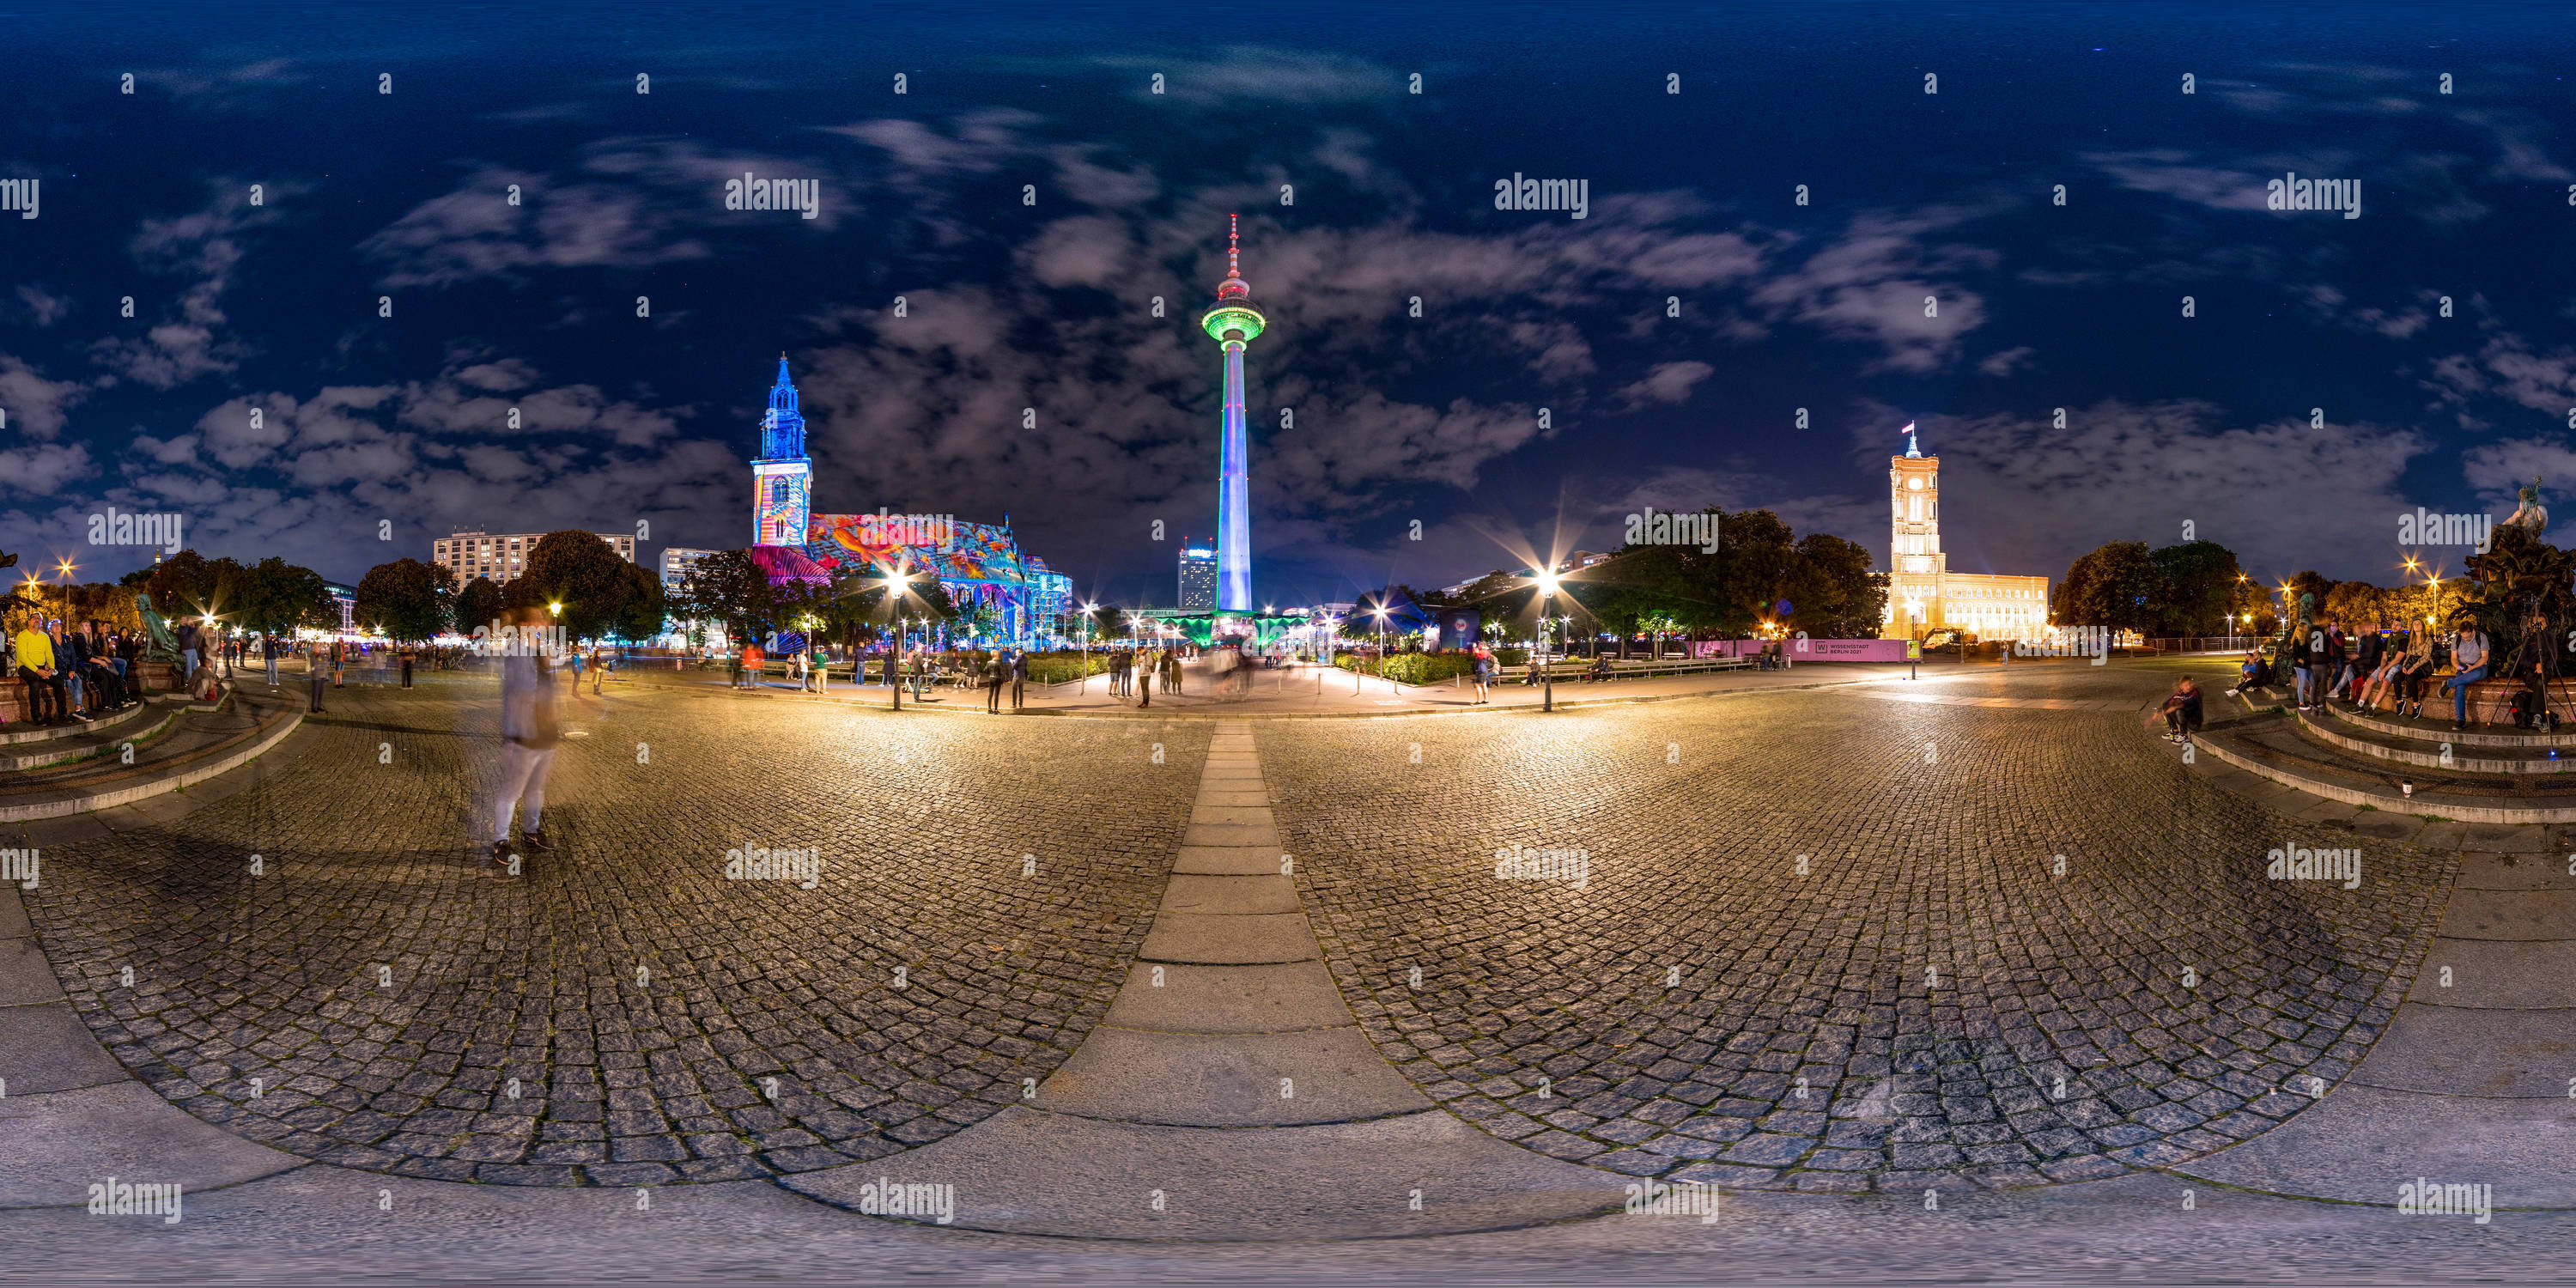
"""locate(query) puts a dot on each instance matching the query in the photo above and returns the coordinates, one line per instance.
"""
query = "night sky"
(1047, 307)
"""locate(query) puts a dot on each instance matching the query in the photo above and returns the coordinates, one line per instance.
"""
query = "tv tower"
(1233, 323)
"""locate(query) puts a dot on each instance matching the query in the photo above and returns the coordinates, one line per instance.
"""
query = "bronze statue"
(163, 646)
(2531, 516)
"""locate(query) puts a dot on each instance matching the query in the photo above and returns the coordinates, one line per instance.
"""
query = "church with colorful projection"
(1012, 594)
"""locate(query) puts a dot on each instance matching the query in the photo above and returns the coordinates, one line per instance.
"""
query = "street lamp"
(1547, 608)
(1380, 610)
(1083, 685)
(897, 586)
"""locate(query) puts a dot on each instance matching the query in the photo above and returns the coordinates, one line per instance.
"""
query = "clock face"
(1914, 484)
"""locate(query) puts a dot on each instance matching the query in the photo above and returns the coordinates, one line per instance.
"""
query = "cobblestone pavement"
(367, 999)
(1819, 940)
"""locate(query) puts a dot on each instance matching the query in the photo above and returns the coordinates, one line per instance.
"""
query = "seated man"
(2182, 711)
(1600, 669)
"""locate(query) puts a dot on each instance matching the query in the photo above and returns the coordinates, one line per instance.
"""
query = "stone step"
(2426, 750)
(2436, 728)
(18, 733)
(199, 745)
(2270, 747)
(133, 725)
(2364, 1142)
(2473, 1051)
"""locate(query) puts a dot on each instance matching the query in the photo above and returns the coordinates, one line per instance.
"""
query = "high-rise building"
(503, 557)
(1198, 575)
(1922, 593)
(1234, 324)
(676, 563)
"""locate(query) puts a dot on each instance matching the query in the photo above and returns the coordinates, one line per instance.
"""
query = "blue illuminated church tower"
(782, 477)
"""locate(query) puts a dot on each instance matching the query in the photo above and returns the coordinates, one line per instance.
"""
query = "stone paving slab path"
(1230, 1093)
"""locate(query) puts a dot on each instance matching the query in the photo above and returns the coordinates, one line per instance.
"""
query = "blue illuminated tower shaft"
(1233, 323)
(1234, 497)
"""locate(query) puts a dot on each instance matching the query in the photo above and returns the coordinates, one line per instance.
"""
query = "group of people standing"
(76, 675)
(2328, 664)
(1151, 667)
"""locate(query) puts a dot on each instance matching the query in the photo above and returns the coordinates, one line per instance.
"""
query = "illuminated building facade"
(502, 557)
(1003, 592)
(1923, 595)
(1198, 576)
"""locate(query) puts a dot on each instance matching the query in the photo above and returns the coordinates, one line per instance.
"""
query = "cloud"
(1872, 286)
(42, 469)
(2005, 362)
(37, 407)
(2507, 367)
(629, 203)
(1668, 382)
(42, 305)
(1244, 74)
(2018, 496)
(210, 245)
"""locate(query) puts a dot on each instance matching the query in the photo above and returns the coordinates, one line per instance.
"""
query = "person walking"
(42, 674)
(755, 664)
(530, 730)
(187, 639)
(804, 676)
(316, 671)
(2469, 665)
(268, 650)
(1481, 661)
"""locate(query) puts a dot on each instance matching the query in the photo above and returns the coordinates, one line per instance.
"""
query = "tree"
(1831, 591)
(577, 570)
(276, 598)
(2110, 586)
(2196, 587)
(641, 611)
(1752, 562)
(407, 600)
(478, 603)
(729, 587)
(15, 608)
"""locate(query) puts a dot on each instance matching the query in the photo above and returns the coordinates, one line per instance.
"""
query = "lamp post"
(1083, 685)
(1546, 672)
(63, 570)
(1380, 611)
(897, 585)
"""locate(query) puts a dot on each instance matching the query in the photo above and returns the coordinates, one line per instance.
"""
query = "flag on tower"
(1909, 428)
